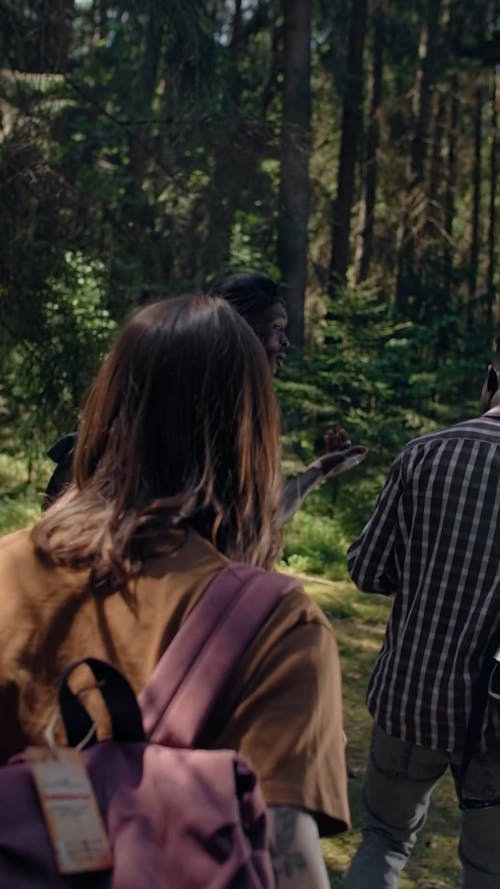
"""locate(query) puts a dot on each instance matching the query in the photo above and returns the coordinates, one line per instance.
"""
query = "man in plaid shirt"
(433, 542)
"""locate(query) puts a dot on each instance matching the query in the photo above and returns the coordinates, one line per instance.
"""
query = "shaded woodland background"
(347, 147)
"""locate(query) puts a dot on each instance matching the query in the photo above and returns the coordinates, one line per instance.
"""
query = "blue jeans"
(398, 784)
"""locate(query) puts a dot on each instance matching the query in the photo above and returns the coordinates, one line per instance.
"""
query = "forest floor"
(359, 623)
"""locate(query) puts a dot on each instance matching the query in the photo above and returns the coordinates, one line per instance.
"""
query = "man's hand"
(341, 455)
(337, 462)
(335, 439)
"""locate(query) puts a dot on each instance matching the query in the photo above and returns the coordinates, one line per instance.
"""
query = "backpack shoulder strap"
(192, 672)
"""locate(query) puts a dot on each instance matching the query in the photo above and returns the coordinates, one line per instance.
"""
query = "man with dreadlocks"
(261, 303)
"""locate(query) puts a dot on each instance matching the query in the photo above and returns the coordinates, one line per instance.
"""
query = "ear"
(492, 381)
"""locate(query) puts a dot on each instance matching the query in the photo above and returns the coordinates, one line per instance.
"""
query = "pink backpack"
(176, 817)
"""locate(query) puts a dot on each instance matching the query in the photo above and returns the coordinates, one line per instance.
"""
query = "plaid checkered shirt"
(433, 542)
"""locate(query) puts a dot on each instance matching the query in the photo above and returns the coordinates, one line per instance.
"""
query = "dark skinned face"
(270, 325)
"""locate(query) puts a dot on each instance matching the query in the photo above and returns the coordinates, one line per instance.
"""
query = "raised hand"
(341, 455)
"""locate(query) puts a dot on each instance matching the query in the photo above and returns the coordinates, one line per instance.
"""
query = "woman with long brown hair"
(177, 472)
(259, 300)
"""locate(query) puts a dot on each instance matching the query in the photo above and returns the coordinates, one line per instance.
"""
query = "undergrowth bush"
(386, 380)
(315, 544)
(45, 377)
(21, 491)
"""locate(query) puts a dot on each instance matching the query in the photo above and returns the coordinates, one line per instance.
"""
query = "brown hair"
(181, 428)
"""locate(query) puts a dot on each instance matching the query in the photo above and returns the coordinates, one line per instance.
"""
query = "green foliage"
(315, 543)
(21, 490)
(386, 381)
(246, 248)
(44, 378)
(352, 376)
(19, 511)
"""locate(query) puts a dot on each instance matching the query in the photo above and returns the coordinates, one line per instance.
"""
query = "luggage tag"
(72, 816)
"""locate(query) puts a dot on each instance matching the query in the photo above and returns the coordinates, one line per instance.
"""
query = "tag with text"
(70, 808)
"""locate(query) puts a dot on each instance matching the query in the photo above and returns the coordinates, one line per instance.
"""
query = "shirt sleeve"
(296, 489)
(289, 723)
(372, 560)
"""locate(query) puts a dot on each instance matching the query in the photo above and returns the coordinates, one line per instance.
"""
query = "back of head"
(247, 292)
(490, 393)
(180, 428)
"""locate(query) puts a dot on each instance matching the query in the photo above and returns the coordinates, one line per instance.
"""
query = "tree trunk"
(139, 212)
(294, 156)
(434, 211)
(451, 176)
(490, 271)
(352, 124)
(476, 193)
(236, 156)
(223, 188)
(62, 14)
(102, 13)
(414, 198)
(364, 248)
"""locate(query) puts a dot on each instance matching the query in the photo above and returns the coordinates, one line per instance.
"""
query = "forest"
(349, 148)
